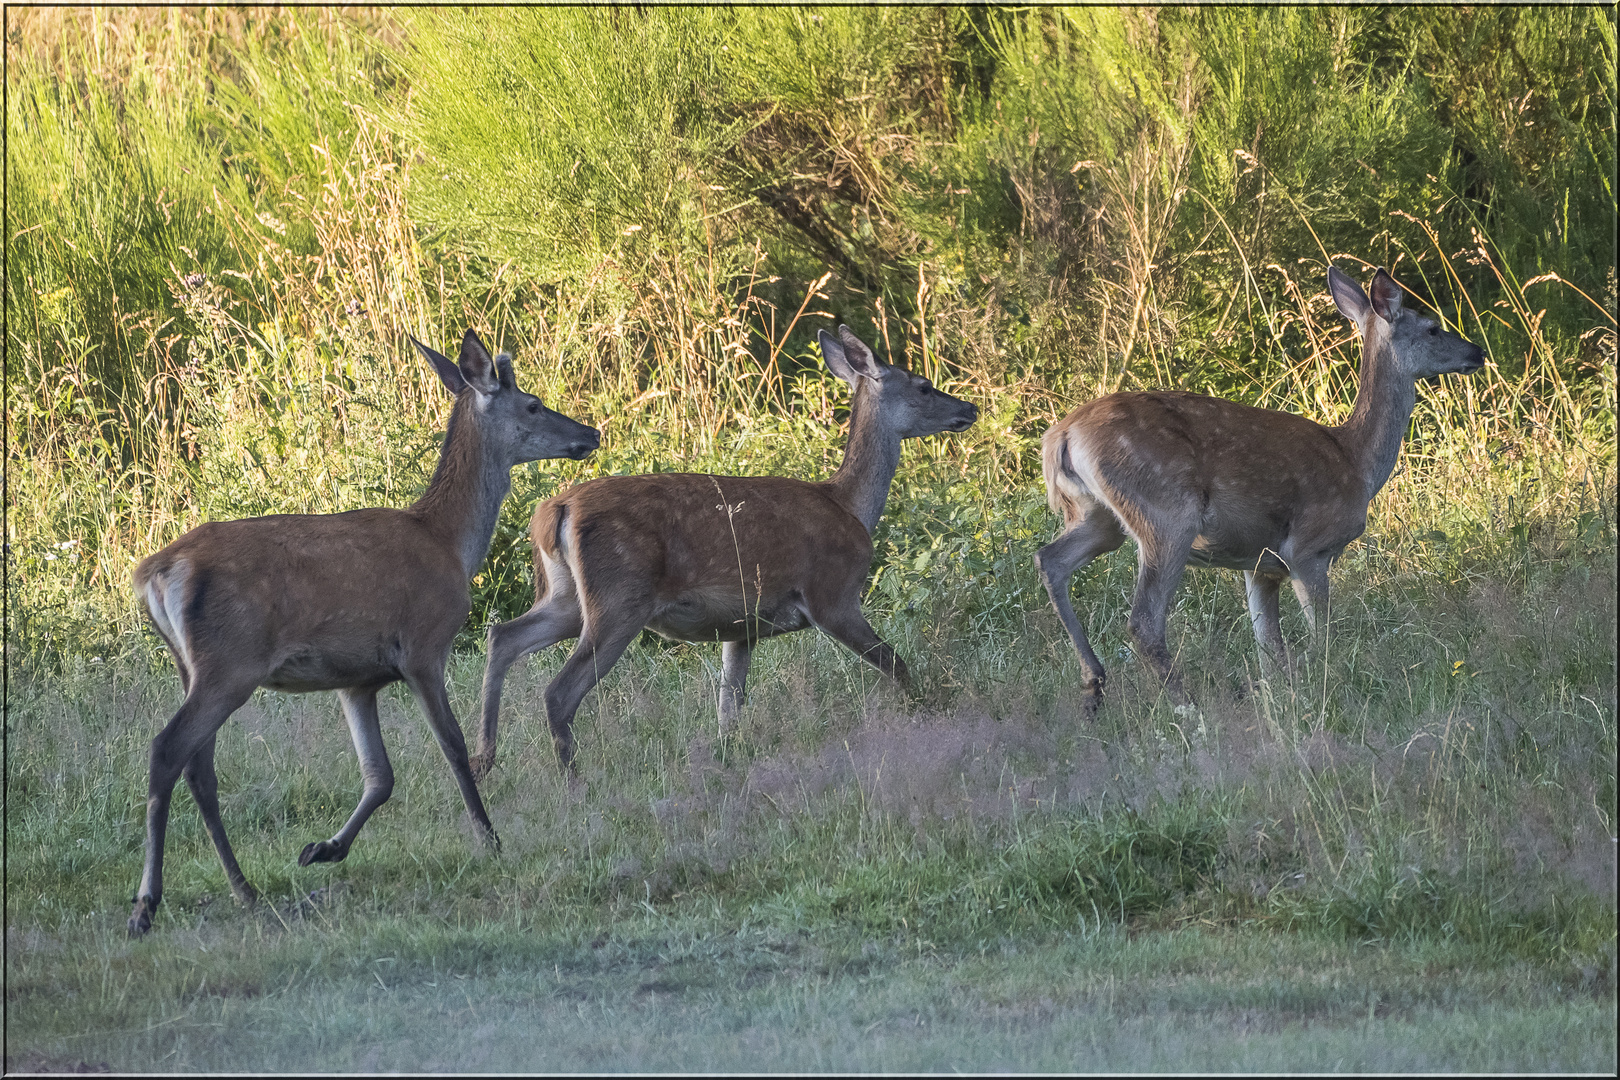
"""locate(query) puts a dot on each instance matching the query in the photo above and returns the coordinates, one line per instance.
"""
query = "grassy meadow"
(221, 226)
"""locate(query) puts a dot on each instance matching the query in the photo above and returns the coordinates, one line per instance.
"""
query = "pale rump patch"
(1078, 483)
(1066, 490)
(560, 573)
(165, 599)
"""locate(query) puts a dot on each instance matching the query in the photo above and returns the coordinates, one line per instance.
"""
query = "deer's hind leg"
(204, 785)
(1096, 533)
(209, 703)
(377, 775)
(1162, 552)
(608, 631)
(554, 617)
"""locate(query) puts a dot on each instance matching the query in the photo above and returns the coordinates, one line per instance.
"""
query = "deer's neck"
(463, 500)
(1385, 399)
(870, 460)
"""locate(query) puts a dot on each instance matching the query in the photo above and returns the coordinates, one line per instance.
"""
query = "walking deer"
(1195, 479)
(348, 602)
(717, 558)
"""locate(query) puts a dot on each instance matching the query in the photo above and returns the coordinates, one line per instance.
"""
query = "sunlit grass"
(210, 294)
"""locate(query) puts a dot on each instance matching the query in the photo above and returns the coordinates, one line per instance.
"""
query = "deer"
(732, 559)
(1204, 481)
(350, 602)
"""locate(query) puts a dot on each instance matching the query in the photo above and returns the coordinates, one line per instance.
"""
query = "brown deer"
(731, 559)
(348, 602)
(1201, 480)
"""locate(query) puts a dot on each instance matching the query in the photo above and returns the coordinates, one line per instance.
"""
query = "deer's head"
(515, 425)
(906, 404)
(1419, 345)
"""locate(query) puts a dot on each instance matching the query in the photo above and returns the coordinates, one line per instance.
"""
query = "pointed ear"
(858, 354)
(476, 365)
(449, 374)
(1348, 297)
(503, 368)
(833, 354)
(1386, 296)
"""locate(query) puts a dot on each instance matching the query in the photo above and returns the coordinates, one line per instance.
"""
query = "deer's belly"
(1257, 557)
(713, 616)
(307, 670)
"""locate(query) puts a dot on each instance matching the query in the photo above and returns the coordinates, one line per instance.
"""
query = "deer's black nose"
(588, 441)
(964, 419)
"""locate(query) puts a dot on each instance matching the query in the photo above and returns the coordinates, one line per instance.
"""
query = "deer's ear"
(449, 374)
(503, 368)
(1386, 296)
(859, 354)
(833, 353)
(1348, 297)
(477, 366)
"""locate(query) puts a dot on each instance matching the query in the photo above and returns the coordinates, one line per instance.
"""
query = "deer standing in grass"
(1201, 480)
(717, 558)
(348, 602)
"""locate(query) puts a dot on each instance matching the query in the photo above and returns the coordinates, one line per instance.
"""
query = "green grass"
(222, 225)
(1421, 878)
(343, 988)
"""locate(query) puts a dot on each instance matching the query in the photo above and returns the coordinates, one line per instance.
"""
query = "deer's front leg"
(428, 687)
(377, 775)
(1263, 591)
(735, 656)
(1311, 587)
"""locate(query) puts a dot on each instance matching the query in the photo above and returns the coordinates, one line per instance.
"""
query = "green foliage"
(572, 130)
(222, 224)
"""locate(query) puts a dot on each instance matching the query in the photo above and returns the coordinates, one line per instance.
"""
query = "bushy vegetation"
(223, 223)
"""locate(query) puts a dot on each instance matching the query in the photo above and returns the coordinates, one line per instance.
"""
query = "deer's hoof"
(565, 755)
(321, 851)
(140, 920)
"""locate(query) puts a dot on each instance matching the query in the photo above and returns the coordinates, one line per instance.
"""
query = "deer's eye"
(1434, 331)
(534, 406)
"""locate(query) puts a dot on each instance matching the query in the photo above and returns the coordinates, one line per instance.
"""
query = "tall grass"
(223, 225)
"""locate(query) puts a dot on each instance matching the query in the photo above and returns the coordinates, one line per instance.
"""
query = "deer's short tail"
(552, 533)
(162, 588)
(1066, 493)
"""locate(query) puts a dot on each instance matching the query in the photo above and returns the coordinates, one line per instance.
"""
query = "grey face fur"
(910, 405)
(517, 426)
(1421, 346)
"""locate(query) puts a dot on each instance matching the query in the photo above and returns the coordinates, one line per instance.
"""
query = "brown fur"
(1196, 479)
(348, 602)
(732, 559)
